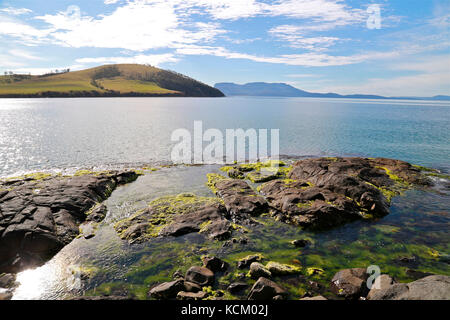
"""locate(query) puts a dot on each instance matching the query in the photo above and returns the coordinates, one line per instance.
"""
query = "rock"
(248, 260)
(191, 287)
(97, 214)
(257, 270)
(167, 290)
(314, 298)
(215, 264)
(219, 230)
(41, 214)
(7, 281)
(178, 275)
(182, 295)
(265, 289)
(415, 274)
(382, 282)
(278, 269)
(301, 243)
(326, 192)
(278, 297)
(350, 283)
(240, 200)
(236, 287)
(176, 216)
(101, 298)
(200, 275)
(436, 287)
(5, 295)
(235, 174)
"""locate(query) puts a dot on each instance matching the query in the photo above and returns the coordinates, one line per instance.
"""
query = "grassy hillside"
(108, 80)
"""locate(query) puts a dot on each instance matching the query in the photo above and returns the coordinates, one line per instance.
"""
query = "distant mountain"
(286, 90)
(106, 81)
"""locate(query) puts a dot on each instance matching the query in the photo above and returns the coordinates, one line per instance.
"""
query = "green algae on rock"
(175, 216)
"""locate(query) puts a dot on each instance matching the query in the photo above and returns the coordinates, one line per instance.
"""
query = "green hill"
(106, 81)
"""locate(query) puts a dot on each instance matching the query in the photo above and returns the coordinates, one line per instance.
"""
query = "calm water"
(38, 134)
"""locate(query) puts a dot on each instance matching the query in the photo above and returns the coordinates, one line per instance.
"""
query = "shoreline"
(218, 229)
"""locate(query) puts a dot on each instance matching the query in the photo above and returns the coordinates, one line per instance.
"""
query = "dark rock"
(240, 200)
(176, 216)
(215, 264)
(235, 174)
(200, 275)
(237, 287)
(326, 192)
(167, 290)
(315, 298)
(278, 297)
(436, 287)
(182, 295)
(97, 214)
(39, 216)
(382, 282)
(257, 270)
(248, 260)
(178, 275)
(415, 274)
(301, 243)
(192, 287)
(265, 289)
(8, 281)
(350, 283)
(5, 295)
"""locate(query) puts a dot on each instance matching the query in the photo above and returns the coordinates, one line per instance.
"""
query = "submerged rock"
(41, 213)
(265, 289)
(435, 287)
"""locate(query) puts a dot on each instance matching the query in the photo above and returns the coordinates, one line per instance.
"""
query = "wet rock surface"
(265, 289)
(176, 216)
(326, 192)
(40, 214)
(436, 287)
(350, 283)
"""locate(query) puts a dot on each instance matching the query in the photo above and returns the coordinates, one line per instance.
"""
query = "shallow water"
(53, 134)
(417, 226)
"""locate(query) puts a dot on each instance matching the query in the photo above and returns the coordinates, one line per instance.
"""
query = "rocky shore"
(42, 213)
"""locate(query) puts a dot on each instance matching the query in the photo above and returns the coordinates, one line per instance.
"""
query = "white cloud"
(24, 54)
(432, 77)
(134, 26)
(310, 59)
(15, 11)
(293, 35)
(152, 59)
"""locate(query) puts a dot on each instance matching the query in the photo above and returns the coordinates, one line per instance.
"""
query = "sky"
(391, 48)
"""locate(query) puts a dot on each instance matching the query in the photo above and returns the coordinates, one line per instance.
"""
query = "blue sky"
(315, 45)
